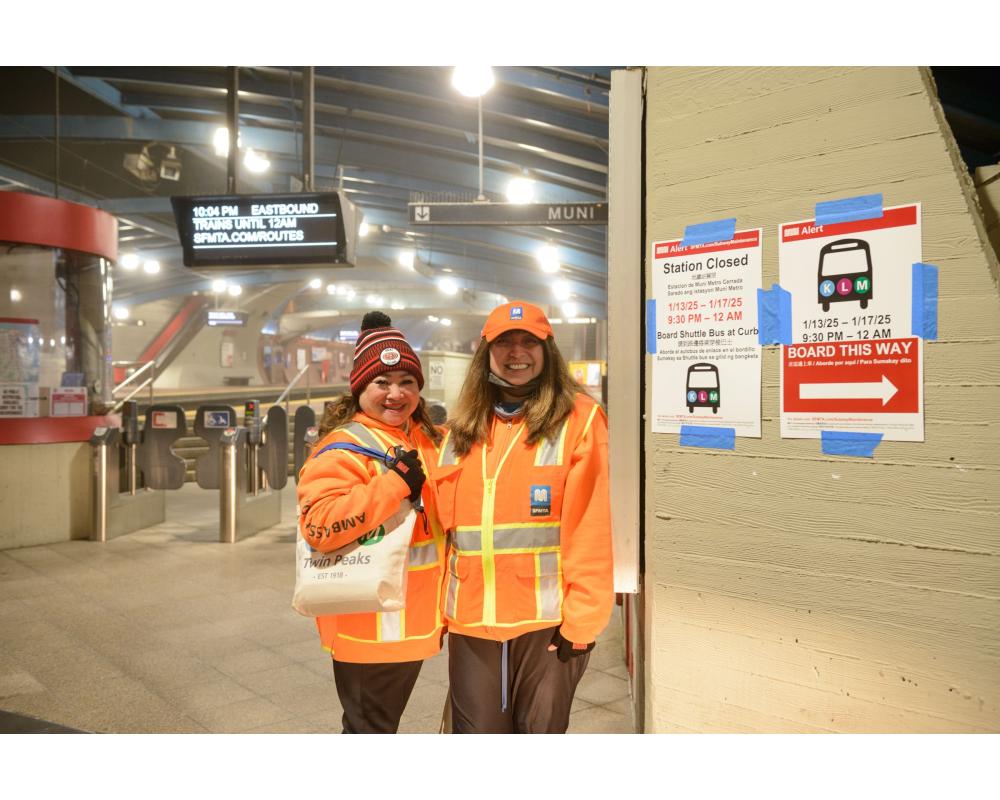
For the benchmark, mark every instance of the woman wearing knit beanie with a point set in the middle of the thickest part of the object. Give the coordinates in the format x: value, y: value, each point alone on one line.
x: 377, y: 656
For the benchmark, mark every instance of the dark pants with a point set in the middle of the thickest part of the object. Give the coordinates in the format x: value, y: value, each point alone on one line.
x: 374, y: 695
x: 540, y: 687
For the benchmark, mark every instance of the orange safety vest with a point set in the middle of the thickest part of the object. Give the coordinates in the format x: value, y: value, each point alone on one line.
x: 335, y: 489
x: 529, y: 530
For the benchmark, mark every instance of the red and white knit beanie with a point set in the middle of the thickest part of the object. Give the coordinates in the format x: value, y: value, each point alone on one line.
x: 380, y: 349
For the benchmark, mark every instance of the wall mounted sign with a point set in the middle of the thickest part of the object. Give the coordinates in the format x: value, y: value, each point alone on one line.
x: 706, y: 368
x: 853, y: 365
x: 486, y: 213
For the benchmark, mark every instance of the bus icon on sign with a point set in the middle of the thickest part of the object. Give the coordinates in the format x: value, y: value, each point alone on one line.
x: 845, y: 273
x: 702, y: 390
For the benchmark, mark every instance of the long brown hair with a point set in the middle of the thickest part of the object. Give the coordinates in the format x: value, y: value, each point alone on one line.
x: 342, y: 410
x: 544, y: 411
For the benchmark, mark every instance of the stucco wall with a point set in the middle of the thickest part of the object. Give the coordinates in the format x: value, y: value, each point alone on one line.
x: 787, y: 590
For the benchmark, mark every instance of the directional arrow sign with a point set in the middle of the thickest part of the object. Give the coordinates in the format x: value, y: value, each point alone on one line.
x: 884, y: 389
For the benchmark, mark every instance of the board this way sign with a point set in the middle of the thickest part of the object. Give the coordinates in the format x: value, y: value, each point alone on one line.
x: 854, y: 365
x: 706, y: 369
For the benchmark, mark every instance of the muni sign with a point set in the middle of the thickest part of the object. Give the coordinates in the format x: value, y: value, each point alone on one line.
x: 484, y: 213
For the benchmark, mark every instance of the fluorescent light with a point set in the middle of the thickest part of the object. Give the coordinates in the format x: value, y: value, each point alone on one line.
x: 315, y: 283
x: 446, y: 322
x: 561, y: 290
x: 397, y: 306
x: 570, y: 309
x: 15, y: 296
x: 363, y: 229
x: 150, y: 266
x: 234, y: 289
x: 548, y: 258
x: 219, y: 285
x: 120, y: 312
x: 254, y: 162
x: 448, y: 285
x: 432, y: 318
x: 331, y: 288
x: 350, y: 294
x: 472, y: 81
x: 521, y: 190
x: 406, y: 258
x: 129, y: 261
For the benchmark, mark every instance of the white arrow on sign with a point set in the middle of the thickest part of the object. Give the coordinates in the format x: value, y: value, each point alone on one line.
x: 885, y: 389
x: 422, y: 213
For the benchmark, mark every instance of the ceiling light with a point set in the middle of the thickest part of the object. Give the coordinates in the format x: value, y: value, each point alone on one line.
x: 570, y: 309
x: 151, y: 267
x: 234, y: 289
x: 62, y: 340
x: 448, y: 285
x: 472, y: 81
x: 371, y: 299
x: 315, y: 283
x: 363, y: 229
x: 15, y: 296
x: 548, y: 258
x: 397, y: 306
x: 129, y: 261
x: 221, y: 141
x: 561, y: 290
x: 331, y: 288
x: 406, y: 259
x: 432, y: 318
x: 120, y: 312
x: 254, y: 162
x: 386, y: 229
x: 521, y: 190
x: 219, y: 285
x: 350, y: 294
x: 446, y: 322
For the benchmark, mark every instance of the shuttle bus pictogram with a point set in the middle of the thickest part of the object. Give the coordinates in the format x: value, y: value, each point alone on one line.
x: 845, y: 273
x: 702, y: 389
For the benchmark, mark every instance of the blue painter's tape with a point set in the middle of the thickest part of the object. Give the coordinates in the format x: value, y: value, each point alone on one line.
x: 774, y: 315
x: 719, y: 231
x: 650, y: 326
x: 851, y: 209
x: 925, y: 298
x: 705, y: 436
x: 846, y: 443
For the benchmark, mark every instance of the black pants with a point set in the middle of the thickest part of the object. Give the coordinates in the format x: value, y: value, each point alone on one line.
x: 540, y: 687
x: 374, y: 695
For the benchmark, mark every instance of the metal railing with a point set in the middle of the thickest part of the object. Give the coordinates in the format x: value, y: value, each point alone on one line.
x: 283, y: 397
x: 147, y: 366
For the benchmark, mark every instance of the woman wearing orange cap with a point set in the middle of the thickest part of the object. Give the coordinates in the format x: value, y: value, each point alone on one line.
x: 523, y: 484
x: 377, y: 656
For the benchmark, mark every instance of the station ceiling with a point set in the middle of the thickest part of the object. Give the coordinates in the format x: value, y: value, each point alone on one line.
x: 384, y: 135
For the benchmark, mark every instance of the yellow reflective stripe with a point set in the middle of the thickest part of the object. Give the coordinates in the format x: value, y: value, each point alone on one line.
x: 447, y: 457
x: 489, y: 568
x: 364, y: 437
x: 377, y: 641
x: 593, y: 413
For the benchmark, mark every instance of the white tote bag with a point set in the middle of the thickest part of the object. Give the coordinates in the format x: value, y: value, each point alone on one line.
x: 369, y: 574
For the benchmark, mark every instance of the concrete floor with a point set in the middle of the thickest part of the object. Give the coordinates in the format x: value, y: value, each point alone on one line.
x: 167, y: 631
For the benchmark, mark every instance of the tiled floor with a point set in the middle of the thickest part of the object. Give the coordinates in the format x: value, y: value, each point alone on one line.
x: 166, y: 630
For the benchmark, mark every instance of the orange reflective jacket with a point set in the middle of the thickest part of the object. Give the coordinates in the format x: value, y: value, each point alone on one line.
x: 341, y: 496
x: 529, y: 530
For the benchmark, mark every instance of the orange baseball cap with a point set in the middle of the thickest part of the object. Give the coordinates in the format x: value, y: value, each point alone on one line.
x: 517, y: 316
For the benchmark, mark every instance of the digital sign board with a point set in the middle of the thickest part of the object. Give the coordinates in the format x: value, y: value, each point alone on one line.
x: 232, y: 231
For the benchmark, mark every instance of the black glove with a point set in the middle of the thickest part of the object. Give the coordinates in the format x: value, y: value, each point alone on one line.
x: 566, y: 650
x: 407, y: 466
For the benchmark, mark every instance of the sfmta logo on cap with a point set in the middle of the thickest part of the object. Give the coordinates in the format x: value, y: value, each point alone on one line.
x: 389, y: 356
x: 517, y: 312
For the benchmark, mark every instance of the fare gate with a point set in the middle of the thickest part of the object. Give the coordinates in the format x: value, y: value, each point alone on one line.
x: 247, y: 464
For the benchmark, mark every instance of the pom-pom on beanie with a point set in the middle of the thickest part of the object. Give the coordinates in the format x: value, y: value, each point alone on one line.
x: 381, y: 348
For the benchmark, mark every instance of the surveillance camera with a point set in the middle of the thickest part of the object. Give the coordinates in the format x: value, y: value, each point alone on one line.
x: 170, y: 169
